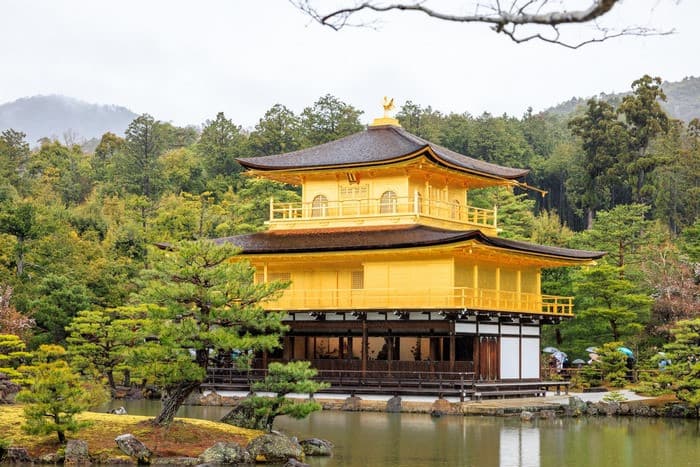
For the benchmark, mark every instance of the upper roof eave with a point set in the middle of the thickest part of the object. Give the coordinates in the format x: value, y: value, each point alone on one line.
x: 376, y: 146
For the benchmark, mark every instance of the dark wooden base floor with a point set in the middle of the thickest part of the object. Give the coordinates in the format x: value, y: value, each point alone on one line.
x: 438, y: 384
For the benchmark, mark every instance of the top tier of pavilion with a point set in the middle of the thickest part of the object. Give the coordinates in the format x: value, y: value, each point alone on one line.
x: 383, y: 176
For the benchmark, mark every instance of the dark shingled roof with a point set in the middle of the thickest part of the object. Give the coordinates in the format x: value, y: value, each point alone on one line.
x: 376, y: 145
x: 307, y: 241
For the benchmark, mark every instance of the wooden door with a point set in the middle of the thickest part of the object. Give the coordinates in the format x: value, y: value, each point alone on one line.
x: 487, y: 358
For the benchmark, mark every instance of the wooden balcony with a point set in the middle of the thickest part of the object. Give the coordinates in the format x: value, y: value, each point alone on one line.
x: 382, y: 212
x: 423, y: 299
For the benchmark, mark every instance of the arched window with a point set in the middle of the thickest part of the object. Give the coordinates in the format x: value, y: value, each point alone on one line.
x: 319, y: 206
x: 455, y: 210
x: 387, y: 202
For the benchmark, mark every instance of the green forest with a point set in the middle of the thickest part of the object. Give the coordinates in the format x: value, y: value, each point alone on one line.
x: 78, y: 228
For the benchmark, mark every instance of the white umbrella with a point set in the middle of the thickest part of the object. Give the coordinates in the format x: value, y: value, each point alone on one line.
x: 550, y: 350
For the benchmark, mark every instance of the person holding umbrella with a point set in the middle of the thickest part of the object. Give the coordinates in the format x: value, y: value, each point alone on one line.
x: 629, y: 354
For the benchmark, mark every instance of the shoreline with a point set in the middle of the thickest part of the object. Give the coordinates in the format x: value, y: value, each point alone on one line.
x: 552, y: 405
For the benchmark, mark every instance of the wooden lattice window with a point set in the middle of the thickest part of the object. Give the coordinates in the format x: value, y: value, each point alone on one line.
x: 279, y: 276
x: 354, y: 192
x: 357, y: 280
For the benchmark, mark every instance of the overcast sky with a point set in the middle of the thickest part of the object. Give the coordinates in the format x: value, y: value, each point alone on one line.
x: 184, y: 61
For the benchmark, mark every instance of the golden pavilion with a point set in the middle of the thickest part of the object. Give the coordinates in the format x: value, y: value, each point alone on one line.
x: 392, y: 271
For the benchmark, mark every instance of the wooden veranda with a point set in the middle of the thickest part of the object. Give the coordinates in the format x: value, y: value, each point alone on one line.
x: 398, y: 378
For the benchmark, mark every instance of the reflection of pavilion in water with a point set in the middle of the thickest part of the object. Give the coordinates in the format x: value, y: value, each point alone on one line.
x: 519, y: 446
x: 381, y: 439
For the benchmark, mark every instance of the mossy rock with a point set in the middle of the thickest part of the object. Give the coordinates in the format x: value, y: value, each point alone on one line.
x: 275, y: 447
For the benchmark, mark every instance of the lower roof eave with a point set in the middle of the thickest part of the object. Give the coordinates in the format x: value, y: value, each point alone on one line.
x: 414, y: 314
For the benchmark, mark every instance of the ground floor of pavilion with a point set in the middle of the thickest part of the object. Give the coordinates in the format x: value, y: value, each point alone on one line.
x: 441, y: 352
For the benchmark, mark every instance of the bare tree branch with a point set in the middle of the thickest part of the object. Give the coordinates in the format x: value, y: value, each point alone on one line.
x: 506, y: 19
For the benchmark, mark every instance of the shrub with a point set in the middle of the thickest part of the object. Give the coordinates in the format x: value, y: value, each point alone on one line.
x: 56, y: 394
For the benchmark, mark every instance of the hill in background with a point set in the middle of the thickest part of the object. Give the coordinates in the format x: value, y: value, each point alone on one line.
x: 63, y: 118
x: 71, y: 120
x: 682, y: 100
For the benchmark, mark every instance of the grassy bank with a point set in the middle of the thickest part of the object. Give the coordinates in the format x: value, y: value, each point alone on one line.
x: 184, y: 437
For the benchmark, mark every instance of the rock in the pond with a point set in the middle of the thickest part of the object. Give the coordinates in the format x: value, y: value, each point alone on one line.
x: 275, y: 447
x: 352, y: 404
x: 295, y: 463
x: 17, y: 456
x: 611, y: 408
x: 242, y: 414
x: 50, y: 458
x: 175, y: 461
x: 577, y: 405
x: 393, y: 405
x: 225, y: 453
x: 526, y: 416
x: 118, y: 411
x: 677, y: 411
x: 131, y: 446
x: 76, y: 452
x: 316, y: 447
x: 440, y: 407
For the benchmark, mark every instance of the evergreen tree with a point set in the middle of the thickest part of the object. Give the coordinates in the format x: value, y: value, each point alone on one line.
x: 259, y: 412
x: 12, y: 356
x: 645, y: 119
x: 329, y: 119
x: 57, y: 300
x: 684, y: 371
x: 14, y: 160
x: 18, y: 219
x: 137, y: 168
x: 604, y: 295
x: 210, y: 306
x: 102, y: 339
x: 219, y: 145
x: 622, y: 232
x: 605, y: 140
x: 56, y: 395
x: 277, y: 132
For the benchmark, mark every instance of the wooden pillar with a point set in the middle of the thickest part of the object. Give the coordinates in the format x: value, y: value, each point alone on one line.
x: 452, y: 346
x: 477, y: 356
x: 264, y: 359
x: 365, y: 345
x: 538, y: 291
x: 475, y: 285
x: 341, y: 347
x: 287, y: 350
x: 389, y: 352
x: 519, y: 288
x: 498, y: 287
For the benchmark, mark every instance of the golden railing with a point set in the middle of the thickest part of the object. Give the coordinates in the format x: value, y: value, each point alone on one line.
x: 378, y: 207
x: 423, y: 299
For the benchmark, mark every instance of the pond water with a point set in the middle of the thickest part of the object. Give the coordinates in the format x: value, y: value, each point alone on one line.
x: 397, y: 440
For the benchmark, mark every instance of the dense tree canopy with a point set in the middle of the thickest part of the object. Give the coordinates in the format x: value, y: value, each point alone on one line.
x: 77, y: 229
